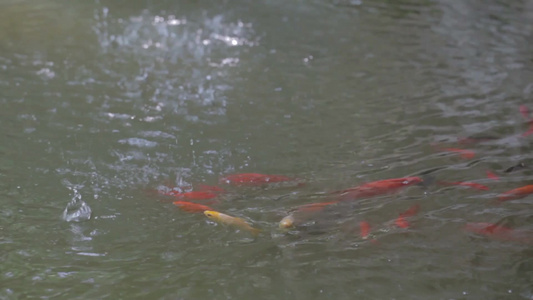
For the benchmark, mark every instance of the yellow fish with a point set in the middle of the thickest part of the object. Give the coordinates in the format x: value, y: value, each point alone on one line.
x: 229, y: 220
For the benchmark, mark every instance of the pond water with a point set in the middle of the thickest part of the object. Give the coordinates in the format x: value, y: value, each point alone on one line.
x: 106, y: 102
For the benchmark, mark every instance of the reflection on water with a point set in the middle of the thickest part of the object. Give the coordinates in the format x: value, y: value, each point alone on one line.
x: 105, y: 102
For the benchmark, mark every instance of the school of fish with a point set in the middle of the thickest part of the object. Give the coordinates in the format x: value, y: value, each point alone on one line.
x: 201, y: 198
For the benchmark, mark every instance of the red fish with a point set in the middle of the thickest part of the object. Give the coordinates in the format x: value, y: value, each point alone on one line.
x: 376, y: 188
x: 517, y: 193
x: 253, y: 179
x: 463, y: 153
x: 474, y: 185
x: 401, y: 221
x: 492, y: 176
x: 365, y: 229
x: 500, y: 232
x: 191, y: 207
x: 314, y: 207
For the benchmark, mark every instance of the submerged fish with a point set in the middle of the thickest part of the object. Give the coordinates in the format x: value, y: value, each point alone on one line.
x: 474, y: 185
x: 364, y: 229
x: 492, y: 176
x: 524, y: 111
x: 463, y: 153
x: 254, y: 179
x: 517, y: 193
x: 287, y: 222
x: 191, y: 207
x: 194, y: 195
x: 411, y: 211
x: 232, y: 221
x: 476, y: 139
x: 526, y: 115
x: 376, y: 188
x: 500, y: 232
x: 314, y: 207
x: 210, y: 188
x: 302, y: 213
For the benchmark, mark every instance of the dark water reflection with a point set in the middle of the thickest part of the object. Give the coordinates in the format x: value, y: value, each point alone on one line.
x: 103, y: 101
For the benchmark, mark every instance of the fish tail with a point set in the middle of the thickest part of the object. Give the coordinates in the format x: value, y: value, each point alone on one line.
x: 255, y: 231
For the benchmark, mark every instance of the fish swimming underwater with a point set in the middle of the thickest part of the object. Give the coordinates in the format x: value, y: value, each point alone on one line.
x: 302, y: 213
x: 474, y: 185
x: 232, y: 221
x: 463, y: 153
x: 517, y: 193
x: 191, y: 207
x: 411, y: 211
x: 377, y: 188
x: 492, y: 175
x: 254, y: 179
x: 500, y: 232
x: 194, y: 195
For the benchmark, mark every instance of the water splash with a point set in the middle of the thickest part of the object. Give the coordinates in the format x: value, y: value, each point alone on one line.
x: 76, y: 210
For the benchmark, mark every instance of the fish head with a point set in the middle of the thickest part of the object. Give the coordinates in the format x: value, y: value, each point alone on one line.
x: 211, y: 214
x: 287, y: 222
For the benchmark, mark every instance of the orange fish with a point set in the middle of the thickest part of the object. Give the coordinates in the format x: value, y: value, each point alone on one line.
x: 474, y: 185
x: 500, y: 232
x: 517, y: 193
x: 365, y: 229
x: 492, y: 176
x: 463, y: 153
x: 253, y: 179
x: 401, y: 221
x: 376, y: 188
x: 191, y: 207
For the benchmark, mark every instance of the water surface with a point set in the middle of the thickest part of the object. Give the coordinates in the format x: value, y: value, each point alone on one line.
x: 105, y: 101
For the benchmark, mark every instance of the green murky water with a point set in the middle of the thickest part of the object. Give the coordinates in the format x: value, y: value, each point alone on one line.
x: 102, y: 102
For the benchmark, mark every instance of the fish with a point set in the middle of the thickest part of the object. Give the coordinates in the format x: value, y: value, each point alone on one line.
x: 364, y: 229
x: 529, y: 131
x: 492, y: 175
x: 232, y: 221
x: 500, y: 232
x: 314, y: 207
x: 474, y: 185
x: 302, y: 213
x: 524, y: 111
x: 476, y: 139
x: 517, y: 193
x: 463, y: 153
x: 516, y: 167
x: 253, y: 179
x: 411, y: 211
x: 194, y: 195
x: 191, y: 206
x: 287, y: 222
x: 526, y: 115
x: 210, y: 188
x: 376, y: 188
